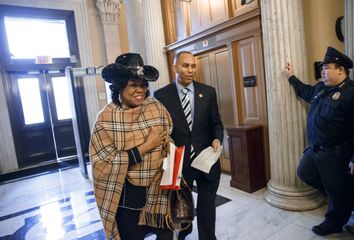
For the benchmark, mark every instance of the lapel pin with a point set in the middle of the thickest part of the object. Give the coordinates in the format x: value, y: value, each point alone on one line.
x: 200, y: 95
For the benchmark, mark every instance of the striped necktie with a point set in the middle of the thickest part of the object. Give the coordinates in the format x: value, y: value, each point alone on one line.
x: 186, y: 105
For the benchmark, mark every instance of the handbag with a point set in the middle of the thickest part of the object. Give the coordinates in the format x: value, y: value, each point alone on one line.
x: 180, y: 207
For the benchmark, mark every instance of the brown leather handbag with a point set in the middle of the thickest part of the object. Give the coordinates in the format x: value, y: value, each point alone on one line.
x: 181, y: 207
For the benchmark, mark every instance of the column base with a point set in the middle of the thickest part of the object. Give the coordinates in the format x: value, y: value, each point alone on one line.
x: 292, y: 198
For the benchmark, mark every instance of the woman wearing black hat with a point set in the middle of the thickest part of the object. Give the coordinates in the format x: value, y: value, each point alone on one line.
x: 127, y: 146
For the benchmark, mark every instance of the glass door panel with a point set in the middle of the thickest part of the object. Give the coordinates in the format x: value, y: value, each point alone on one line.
x: 23, y: 32
x: 32, y: 129
x: 60, y: 108
x: 31, y: 100
x: 61, y: 98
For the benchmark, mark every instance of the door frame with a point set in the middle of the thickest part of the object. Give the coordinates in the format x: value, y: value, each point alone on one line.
x: 22, y: 67
x: 90, y: 93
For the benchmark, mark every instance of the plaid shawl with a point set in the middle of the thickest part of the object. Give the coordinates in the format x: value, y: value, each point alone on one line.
x: 116, y: 130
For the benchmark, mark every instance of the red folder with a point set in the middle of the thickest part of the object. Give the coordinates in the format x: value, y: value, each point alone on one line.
x: 177, y: 170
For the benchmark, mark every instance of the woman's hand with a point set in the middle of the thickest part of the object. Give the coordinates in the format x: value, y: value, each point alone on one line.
x: 155, y: 138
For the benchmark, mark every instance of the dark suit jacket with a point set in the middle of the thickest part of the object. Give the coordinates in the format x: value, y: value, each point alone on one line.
x: 207, y: 124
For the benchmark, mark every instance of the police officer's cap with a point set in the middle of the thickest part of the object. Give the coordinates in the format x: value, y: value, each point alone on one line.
x: 334, y: 56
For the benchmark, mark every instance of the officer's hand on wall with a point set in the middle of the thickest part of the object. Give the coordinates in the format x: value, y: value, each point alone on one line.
x: 288, y: 71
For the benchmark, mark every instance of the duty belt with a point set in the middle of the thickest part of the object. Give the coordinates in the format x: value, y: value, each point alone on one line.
x: 318, y: 148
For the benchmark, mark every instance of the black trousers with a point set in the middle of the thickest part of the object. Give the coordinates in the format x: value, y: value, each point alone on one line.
x: 329, y: 173
x: 127, y: 222
x: 206, y: 207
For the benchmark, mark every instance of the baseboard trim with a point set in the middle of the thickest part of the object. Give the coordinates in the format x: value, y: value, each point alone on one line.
x: 35, y: 171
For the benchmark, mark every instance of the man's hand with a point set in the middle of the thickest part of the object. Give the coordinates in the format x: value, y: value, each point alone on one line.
x: 288, y: 71
x: 215, y: 144
x: 351, y: 167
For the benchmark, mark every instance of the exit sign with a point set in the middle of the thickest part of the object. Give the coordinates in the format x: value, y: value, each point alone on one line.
x: 44, y: 60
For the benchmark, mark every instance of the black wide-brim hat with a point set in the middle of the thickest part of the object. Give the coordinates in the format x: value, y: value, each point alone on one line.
x: 335, y: 56
x: 129, y: 65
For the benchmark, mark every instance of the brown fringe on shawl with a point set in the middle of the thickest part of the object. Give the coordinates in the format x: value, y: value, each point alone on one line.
x: 155, y: 210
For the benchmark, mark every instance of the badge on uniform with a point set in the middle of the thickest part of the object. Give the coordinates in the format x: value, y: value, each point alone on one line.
x: 336, y: 95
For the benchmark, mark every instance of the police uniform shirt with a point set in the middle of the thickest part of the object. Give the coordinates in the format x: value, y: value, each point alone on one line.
x: 330, y: 121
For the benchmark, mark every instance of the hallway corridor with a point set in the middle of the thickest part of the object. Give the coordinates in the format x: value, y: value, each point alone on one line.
x: 61, y: 205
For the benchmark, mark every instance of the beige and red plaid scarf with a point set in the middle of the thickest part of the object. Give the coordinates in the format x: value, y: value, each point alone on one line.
x: 116, y: 130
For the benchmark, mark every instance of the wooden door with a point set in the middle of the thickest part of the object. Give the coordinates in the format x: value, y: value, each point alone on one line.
x: 213, y: 68
x: 31, y: 122
x: 42, y: 121
x: 251, y: 88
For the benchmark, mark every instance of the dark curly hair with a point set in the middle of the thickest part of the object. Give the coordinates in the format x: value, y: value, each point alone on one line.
x: 118, y: 85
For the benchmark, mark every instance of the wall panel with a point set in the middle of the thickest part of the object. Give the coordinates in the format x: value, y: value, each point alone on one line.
x: 207, y: 13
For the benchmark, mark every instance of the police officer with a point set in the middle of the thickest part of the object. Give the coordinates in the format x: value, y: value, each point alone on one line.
x: 328, y: 162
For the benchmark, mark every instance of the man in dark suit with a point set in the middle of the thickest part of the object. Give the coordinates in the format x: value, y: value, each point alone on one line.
x: 196, y: 125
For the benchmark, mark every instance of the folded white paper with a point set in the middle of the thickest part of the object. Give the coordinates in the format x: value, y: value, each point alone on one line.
x: 206, y: 159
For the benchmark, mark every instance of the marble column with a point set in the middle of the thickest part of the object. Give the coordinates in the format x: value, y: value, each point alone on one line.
x: 155, y: 40
x: 284, y: 41
x: 348, y: 30
x: 109, y: 13
x: 135, y: 26
x: 8, y: 157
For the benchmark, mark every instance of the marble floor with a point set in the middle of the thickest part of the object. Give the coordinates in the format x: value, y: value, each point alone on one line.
x: 61, y: 205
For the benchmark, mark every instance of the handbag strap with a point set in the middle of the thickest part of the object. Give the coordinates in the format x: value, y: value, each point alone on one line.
x: 185, y: 183
x: 170, y: 225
